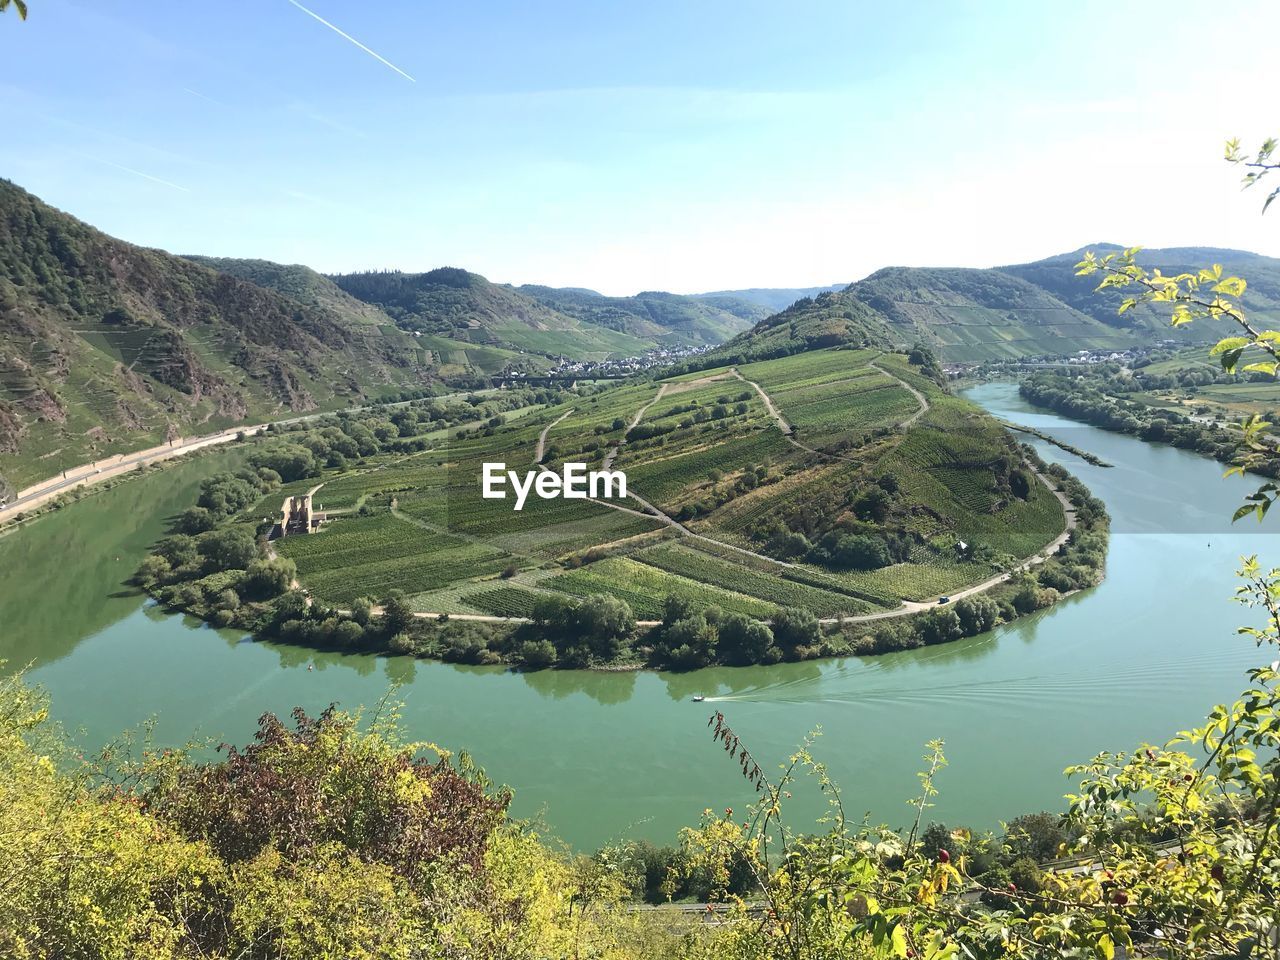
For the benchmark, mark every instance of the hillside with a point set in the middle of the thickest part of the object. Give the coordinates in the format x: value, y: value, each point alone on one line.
x: 667, y: 319
x: 452, y: 358
x: 1056, y: 275
x: 463, y: 306
x: 297, y: 282
x: 968, y: 314
x: 107, y: 347
x: 827, y: 320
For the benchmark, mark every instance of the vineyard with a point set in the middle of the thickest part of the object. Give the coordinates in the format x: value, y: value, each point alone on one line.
x: 644, y: 588
x: 738, y: 577
x: 707, y: 453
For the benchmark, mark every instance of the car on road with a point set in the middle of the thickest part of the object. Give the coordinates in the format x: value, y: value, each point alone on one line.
x: 944, y: 600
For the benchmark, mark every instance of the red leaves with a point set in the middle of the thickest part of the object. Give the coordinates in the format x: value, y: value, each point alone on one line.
x: 733, y: 746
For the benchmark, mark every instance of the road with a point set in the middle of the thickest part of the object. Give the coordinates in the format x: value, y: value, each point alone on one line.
x: 92, y: 473
x: 99, y: 470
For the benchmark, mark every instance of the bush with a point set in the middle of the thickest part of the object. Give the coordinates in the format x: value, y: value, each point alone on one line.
x: 794, y: 627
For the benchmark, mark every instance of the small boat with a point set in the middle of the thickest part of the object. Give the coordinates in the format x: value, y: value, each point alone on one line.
x: 699, y: 698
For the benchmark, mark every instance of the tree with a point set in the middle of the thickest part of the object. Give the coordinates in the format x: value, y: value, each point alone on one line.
x: 362, y: 610
x: 795, y: 627
x: 397, y: 615
x: 690, y: 643
x: 977, y: 614
x: 605, y: 624
x: 743, y: 640
x: 18, y: 5
x: 861, y: 552
x: 230, y: 548
x: 266, y: 579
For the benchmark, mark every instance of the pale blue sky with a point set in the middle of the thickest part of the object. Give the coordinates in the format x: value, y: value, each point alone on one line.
x: 687, y: 146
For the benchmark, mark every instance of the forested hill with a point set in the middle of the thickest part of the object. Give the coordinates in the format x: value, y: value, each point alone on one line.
x: 968, y: 314
x: 770, y: 299
x: 1023, y: 310
x: 464, y: 306
x: 107, y: 347
x: 1056, y: 275
x: 811, y: 323
x: 573, y: 322
x: 300, y: 283
x: 668, y: 319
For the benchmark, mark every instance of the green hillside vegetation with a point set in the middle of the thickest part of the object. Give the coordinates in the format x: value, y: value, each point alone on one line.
x: 667, y: 319
x: 868, y: 486
x: 106, y: 347
x: 968, y: 315
x: 297, y: 282
x: 1057, y: 275
x: 464, y: 306
x: 452, y: 358
x: 827, y: 320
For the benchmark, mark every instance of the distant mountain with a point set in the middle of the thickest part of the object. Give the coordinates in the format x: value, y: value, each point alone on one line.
x: 464, y: 306
x: 1024, y: 310
x: 105, y: 346
x: 1057, y: 276
x: 667, y: 319
x: 772, y: 299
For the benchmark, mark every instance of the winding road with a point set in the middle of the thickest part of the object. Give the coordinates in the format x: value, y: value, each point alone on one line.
x: 542, y: 437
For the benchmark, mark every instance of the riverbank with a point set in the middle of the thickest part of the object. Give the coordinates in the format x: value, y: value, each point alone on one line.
x: 211, y: 568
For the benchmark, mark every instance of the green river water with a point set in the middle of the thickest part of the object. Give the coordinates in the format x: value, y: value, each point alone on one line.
x: 602, y: 756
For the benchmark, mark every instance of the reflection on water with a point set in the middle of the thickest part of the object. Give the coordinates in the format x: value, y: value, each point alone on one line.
x: 605, y: 755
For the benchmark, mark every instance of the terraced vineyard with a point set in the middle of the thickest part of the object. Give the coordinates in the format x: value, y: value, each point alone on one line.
x: 850, y: 516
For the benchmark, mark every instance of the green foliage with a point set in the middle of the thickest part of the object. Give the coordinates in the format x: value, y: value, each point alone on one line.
x: 150, y: 346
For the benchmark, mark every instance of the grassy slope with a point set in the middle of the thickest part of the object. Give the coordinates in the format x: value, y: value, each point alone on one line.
x: 664, y: 318
x: 466, y: 307
x: 107, y: 347
x: 1057, y: 276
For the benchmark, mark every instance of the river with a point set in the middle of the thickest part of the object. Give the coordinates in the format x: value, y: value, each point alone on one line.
x: 605, y: 756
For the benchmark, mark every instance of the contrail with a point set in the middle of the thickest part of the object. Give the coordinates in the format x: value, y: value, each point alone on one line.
x: 139, y: 173
x: 197, y: 93
x: 347, y: 36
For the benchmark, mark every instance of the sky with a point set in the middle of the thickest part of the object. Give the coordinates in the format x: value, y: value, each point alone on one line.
x: 687, y: 146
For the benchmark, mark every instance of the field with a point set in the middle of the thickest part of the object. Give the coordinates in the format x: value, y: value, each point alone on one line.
x: 713, y: 482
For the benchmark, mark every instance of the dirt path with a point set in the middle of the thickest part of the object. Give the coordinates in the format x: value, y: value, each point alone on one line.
x: 613, y: 454
x: 774, y: 412
x: 920, y: 397
x: 787, y: 429
x: 542, y: 437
